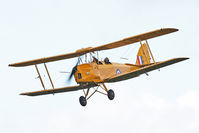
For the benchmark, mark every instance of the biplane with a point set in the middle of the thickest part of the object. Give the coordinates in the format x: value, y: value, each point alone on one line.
x: 93, y: 73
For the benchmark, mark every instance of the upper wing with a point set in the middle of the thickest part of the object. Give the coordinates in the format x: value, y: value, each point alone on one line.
x: 52, y: 58
x: 135, y: 39
x: 145, y: 69
x: 58, y: 90
x: 112, y: 45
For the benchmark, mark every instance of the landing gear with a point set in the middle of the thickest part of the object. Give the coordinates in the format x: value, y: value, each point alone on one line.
x: 110, y: 94
x: 82, y: 101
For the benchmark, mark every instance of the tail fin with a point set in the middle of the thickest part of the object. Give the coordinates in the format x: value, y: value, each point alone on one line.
x: 143, y: 56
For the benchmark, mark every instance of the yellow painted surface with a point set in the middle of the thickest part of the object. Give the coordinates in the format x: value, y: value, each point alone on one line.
x: 94, y: 72
x: 144, y: 52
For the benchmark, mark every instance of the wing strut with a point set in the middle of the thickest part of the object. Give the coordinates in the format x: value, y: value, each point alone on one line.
x: 49, y: 75
x: 150, y: 51
x: 39, y: 75
x: 151, y: 55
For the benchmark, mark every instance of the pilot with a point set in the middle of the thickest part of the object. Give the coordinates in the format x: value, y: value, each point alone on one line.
x: 106, y: 61
x: 96, y: 60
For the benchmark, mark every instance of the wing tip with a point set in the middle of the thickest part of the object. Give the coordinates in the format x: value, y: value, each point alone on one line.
x: 24, y: 94
x: 15, y: 65
x: 184, y: 58
x: 10, y: 65
x: 170, y: 29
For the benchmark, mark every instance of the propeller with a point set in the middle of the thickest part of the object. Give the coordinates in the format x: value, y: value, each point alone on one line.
x: 74, y: 70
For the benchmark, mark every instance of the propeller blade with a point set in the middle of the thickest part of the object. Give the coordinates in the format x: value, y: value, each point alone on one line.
x: 74, y: 70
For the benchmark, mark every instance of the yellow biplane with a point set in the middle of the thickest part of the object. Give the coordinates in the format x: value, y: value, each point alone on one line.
x: 94, y: 73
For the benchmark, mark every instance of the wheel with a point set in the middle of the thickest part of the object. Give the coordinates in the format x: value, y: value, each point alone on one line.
x: 111, y: 94
x: 82, y: 101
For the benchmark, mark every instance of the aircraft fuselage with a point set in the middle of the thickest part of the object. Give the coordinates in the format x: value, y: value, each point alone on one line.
x: 93, y: 72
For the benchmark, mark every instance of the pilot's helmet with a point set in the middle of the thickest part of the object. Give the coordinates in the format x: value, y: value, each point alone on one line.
x: 106, y: 60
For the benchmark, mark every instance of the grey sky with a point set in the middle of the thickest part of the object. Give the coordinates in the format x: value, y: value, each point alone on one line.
x: 165, y: 101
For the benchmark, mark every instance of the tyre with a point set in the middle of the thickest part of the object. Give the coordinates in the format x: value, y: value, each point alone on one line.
x: 82, y: 101
x: 111, y: 94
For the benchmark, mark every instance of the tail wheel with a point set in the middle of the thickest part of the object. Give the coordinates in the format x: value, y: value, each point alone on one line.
x: 111, y: 94
x: 82, y: 101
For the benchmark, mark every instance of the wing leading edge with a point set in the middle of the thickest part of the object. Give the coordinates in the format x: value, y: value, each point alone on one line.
x: 52, y: 58
x: 57, y: 90
x: 134, y: 39
x: 112, y: 45
x: 145, y: 70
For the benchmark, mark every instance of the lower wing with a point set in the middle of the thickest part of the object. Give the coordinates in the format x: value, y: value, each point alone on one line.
x: 58, y: 90
x: 145, y: 69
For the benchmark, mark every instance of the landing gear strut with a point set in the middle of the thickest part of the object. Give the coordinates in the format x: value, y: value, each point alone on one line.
x: 110, y: 93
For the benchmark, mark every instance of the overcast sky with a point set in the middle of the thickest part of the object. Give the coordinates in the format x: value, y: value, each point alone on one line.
x: 165, y: 101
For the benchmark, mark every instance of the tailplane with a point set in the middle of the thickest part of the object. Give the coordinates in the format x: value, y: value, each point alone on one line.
x: 143, y: 56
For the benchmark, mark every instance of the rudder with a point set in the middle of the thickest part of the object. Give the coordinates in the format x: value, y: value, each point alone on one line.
x: 143, y: 56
